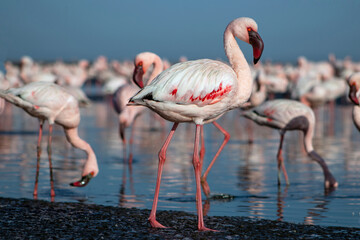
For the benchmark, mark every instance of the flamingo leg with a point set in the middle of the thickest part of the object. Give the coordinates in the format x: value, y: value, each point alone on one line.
x: 197, y: 164
x: 204, y: 183
x: 281, y: 162
x: 123, y: 139
x: 162, y: 158
x: 131, y: 141
x: 202, y: 149
x: 50, y: 161
x: 250, y: 131
x: 38, y: 148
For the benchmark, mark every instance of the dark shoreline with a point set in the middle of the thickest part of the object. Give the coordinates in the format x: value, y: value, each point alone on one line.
x: 37, y: 219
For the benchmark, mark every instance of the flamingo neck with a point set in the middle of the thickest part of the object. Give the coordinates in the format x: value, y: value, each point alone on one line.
x: 91, y: 162
x: 356, y: 116
x: 238, y: 64
x: 158, y: 68
x: 309, y: 133
x: 258, y: 97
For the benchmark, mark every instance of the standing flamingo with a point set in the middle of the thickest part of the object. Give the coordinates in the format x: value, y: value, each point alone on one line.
x: 354, y: 95
x: 48, y: 101
x: 138, y: 79
x: 128, y: 114
x: 289, y: 115
x: 201, y: 91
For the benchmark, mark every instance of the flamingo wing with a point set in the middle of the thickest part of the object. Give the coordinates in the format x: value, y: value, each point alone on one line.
x: 200, y: 82
x: 282, y: 111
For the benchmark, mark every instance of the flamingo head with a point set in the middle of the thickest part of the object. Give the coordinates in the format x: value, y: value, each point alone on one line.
x: 83, y: 181
x: 246, y: 30
x: 138, y: 74
x: 354, y: 94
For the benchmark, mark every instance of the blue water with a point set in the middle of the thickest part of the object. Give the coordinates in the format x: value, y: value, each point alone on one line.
x: 247, y: 173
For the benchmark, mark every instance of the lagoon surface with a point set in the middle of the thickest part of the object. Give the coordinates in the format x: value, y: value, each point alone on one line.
x: 243, y: 181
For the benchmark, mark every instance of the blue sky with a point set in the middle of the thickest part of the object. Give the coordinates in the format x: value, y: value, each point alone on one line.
x: 75, y: 29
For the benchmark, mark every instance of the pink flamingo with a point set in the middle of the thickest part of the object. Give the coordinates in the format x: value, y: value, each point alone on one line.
x: 201, y: 91
x: 49, y: 101
x: 287, y: 115
x: 128, y: 114
x: 354, y: 95
x: 138, y: 79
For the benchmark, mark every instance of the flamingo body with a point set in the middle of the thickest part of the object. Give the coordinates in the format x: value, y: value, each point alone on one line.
x: 197, y: 91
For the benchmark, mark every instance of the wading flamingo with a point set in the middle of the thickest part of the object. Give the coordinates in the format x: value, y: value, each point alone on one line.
x: 128, y: 114
x: 286, y: 115
x: 51, y: 102
x: 354, y: 95
x: 201, y: 91
x: 146, y: 59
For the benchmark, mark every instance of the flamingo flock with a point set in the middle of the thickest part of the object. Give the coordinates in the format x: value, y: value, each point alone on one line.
x: 282, y: 97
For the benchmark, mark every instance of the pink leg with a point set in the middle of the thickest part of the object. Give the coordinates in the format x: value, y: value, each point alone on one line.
x: 50, y: 162
x: 131, y: 141
x: 250, y: 131
x: 202, y: 150
x: 123, y: 139
x: 38, y: 148
x: 162, y: 157
x: 204, y: 183
x: 281, y: 161
x: 196, y: 163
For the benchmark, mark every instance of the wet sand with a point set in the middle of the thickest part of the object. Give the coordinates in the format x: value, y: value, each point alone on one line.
x: 37, y: 219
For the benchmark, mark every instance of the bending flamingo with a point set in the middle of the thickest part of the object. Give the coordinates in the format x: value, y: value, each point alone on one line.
x: 201, y: 91
x: 48, y: 101
x: 287, y: 115
x: 128, y: 114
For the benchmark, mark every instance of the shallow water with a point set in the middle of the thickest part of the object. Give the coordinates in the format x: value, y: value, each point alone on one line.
x: 245, y: 174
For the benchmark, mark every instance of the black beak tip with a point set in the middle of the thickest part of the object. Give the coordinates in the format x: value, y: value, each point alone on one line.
x: 83, y: 181
x: 256, y: 60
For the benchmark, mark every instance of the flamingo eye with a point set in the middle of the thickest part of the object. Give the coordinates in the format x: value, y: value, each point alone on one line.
x: 249, y: 29
x: 140, y: 64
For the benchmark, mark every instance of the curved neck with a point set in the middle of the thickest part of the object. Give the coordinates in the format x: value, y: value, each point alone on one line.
x: 91, y: 162
x: 356, y: 116
x: 238, y: 63
x: 308, y: 136
x: 158, y: 68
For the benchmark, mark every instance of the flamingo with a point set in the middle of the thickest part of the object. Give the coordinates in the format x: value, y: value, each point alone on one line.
x: 128, y: 114
x: 201, y: 91
x: 138, y: 74
x: 51, y: 102
x: 286, y: 115
x: 354, y: 95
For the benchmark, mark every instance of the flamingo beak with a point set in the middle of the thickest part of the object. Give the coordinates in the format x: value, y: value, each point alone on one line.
x: 138, y: 75
x: 257, y: 44
x: 83, y: 181
x: 352, y: 94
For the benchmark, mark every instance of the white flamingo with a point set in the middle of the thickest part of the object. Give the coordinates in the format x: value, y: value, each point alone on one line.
x: 286, y: 115
x: 128, y: 114
x: 51, y: 102
x: 201, y: 91
x: 354, y: 95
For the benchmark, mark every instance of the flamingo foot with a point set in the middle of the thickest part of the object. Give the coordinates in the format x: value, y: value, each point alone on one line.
x: 203, y: 228
x: 155, y: 224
